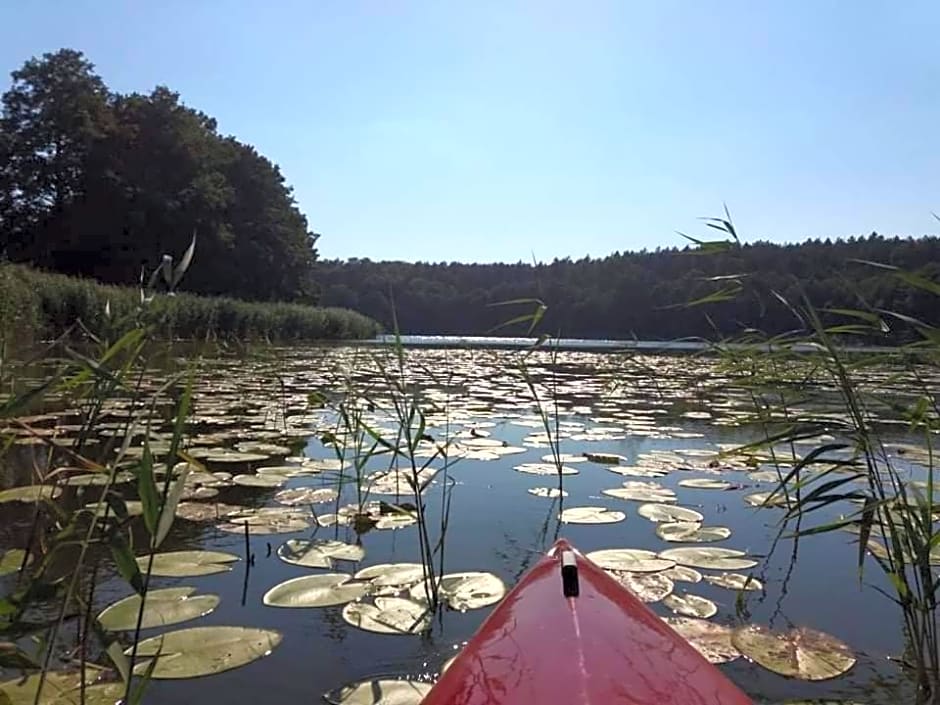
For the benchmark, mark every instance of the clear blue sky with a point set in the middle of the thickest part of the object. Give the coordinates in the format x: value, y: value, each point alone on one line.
x: 486, y: 131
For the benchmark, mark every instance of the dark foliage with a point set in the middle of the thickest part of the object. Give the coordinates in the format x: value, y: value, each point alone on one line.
x: 644, y: 295
x: 99, y: 184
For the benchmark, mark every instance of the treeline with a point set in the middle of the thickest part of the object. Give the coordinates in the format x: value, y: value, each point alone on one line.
x: 40, y: 306
x: 646, y: 295
x: 98, y: 183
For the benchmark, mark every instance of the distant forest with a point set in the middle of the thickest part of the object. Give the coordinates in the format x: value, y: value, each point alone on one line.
x: 644, y: 295
x: 97, y: 183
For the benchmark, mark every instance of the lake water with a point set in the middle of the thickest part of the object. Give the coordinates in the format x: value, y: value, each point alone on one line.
x: 668, y: 412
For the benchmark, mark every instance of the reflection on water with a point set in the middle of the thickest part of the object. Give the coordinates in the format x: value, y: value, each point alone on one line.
x: 671, y: 412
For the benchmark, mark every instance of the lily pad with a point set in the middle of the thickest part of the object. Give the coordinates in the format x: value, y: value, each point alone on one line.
x: 380, y: 692
x: 564, y: 458
x: 735, y: 581
x: 60, y: 688
x: 203, y: 651
x: 325, y: 590
x: 397, y: 575
x: 691, y: 532
x: 705, y: 483
x: 465, y: 591
x: 668, y: 513
x: 683, y: 574
x: 179, y: 564
x: 11, y: 561
x: 548, y: 492
x: 634, y: 560
x: 396, y: 521
x: 591, y: 515
x: 766, y: 499
x: 648, y: 587
x: 710, y: 557
x: 713, y: 641
x: 268, y: 520
x: 691, y: 605
x: 162, y: 607
x: 801, y: 653
x: 235, y: 457
x: 197, y: 511
x: 605, y: 458
x: 545, y: 469
x: 389, y: 615
x: 259, y: 480
x: 318, y: 553
x: 305, y: 495
x: 30, y: 493
x: 642, y: 492
x: 638, y: 471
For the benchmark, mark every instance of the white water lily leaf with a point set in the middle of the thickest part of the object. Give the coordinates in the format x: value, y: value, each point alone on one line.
x: 259, y: 480
x: 60, y: 688
x: 691, y: 532
x: 236, y: 458
x: 161, y: 608
x: 389, y: 615
x: 465, y: 591
x: 564, y: 458
x: 380, y: 692
x: 29, y: 493
x: 318, y: 553
x: 398, y: 575
x: 197, y: 511
x: 203, y: 651
x: 180, y: 564
x: 648, y: 587
x: 324, y: 590
x: 801, y: 653
x: 305, y: 495
x: 268, y: 520
x: 605, y: 458
x: 668, y: 513
x: 713, y: 641
x: 333, y: 520
x: 637, y: 491
x: 545, y: 469
x: 548, y: 492
x: 634, y: 560
x: 766, y: 499
x: 11, y: 561
x: 396, y: 520
x: 735, y: 581
x: 683, y: 574
x: 710, y: 557
x: 591, y: 515
x: 638, y: 471
x: 705, y: 483
x: 691, y: 605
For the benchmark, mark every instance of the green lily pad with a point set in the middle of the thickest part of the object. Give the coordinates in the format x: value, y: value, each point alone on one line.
x: 705, y: 483
x: 204, y: 651
x: 638, y: 471
x: 735, y: 581
x: 259, y: 480
x: 60, y: 688
x: 318, y: 553
x: 713, y: 641
x: 648, y: 587
x: 605, y: 458
x: 683, y: 574
x: 161, y: 608
x: 668, y: 513
x: 564, y: 458
x: 642, y: 492
x: 179, y: 564
x: 305, y: 495
x: 389, y: 615
x: 634, y: 560
x: 268, y: 520
x: 801, y: 653
x: 380, y: 692
x: 691, y: 532
x: 11, y: 561
x: 591, y: 515
x: 691, y: 605
x: 465, y: 591
x: 766, y: 499
x: 545, y: 469
x: 710, y: 557
x: 325, y: 590
x: 398, y: 576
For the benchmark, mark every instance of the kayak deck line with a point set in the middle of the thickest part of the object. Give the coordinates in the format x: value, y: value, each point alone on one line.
x: 597, y: 646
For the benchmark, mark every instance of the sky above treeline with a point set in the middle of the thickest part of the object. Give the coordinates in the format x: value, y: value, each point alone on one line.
x: 506, y: 131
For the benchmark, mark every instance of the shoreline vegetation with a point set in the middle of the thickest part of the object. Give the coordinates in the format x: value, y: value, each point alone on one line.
x: 36, y: 305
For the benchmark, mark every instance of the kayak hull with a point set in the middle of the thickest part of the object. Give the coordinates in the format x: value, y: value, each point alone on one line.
x: 601, y: 647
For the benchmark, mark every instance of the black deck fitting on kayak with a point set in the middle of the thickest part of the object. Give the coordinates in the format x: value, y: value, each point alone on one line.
x: 569, y: 574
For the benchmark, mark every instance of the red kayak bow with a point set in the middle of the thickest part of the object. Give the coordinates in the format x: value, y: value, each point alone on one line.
x: 569, y: 634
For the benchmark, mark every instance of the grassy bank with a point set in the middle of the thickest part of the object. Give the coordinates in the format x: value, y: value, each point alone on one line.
x: 36, y: 305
